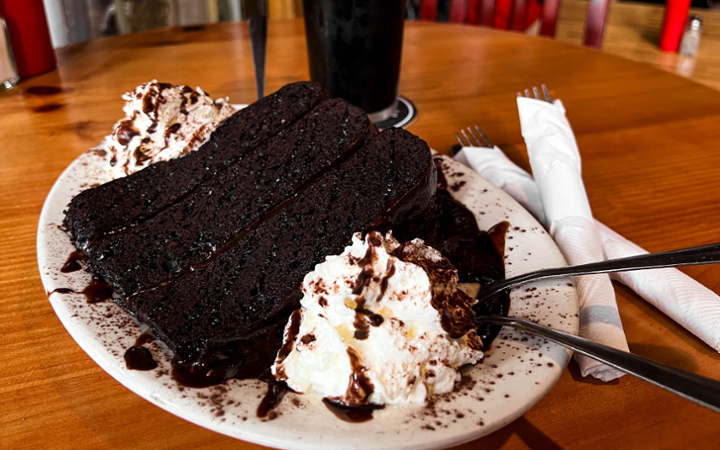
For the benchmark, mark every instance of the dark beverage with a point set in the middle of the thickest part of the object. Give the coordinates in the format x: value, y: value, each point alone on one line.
x: 354, y: 47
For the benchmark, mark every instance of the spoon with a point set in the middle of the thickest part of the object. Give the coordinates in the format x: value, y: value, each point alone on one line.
x: 701, y: 390
x: 703, y: 254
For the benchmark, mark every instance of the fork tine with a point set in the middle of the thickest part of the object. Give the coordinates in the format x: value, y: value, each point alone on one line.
x: 518, y: 94
x: 536, y: 93
x: 527, y: 93
x: 547, y: 94
x: 476, y: 139
x: 460, y: 141
x: 470, y: 142
x: 485, y: 138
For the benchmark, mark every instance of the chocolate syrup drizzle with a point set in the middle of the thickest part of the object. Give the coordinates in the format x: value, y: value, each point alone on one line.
x: 95, y: 292
x: 139, y: 358
x: 292, y: 335
x: 73, y: 262
x: 277, y: 388
x: 364, y: 318
x: 358, y: 392
x: 351, y: 413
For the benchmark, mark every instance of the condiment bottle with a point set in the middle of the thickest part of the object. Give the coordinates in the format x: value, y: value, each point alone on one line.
x: 29, y: 35
x: 676, y: 12
x: 691, y: 38
x: 8, y: 71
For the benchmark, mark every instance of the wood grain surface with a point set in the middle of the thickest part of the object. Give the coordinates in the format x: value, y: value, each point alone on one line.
x: 649, y: 141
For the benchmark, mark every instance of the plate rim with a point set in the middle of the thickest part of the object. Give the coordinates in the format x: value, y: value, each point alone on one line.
x: 126, y: 378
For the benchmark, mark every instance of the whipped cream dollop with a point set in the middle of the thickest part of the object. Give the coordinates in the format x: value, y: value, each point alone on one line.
x: 382, y: 323
x: 162, y: 121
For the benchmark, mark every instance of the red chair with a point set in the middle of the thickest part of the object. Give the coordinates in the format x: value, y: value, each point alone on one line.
x: 519, y: 15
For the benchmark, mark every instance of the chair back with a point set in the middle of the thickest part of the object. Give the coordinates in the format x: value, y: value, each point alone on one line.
x: 517, y: 15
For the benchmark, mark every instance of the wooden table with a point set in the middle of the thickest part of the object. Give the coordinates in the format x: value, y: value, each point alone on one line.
x: 649, y: 140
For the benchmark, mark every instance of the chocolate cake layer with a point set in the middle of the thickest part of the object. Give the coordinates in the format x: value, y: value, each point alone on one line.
x: 127, y: 201
x: 207, y: 219
x: 211, y: 314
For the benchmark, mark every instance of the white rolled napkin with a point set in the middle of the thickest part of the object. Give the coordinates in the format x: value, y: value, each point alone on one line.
x: 555, y: 161
x: 495, y: 166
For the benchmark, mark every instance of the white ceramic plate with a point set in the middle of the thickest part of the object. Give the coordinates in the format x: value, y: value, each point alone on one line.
x: 517, y: 371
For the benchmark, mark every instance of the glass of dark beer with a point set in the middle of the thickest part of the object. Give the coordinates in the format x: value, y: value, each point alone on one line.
x: 354, y: 48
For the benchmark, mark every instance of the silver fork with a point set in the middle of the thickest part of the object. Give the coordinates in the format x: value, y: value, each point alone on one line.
x: 698, y: 389
x: 701, y: 390
x: 476, y: 138
x: 472, y: 139
x: 536, y: 93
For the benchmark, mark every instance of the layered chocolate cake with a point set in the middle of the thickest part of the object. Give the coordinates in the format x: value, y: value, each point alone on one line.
x: 210, y: 249
x: 127, y: 201
x: 243, y: 290
x: 209, y: 217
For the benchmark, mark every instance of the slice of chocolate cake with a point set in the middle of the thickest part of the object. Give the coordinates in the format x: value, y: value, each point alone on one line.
x: 225, y: 318
x: 127, y: 201
x: 212, y: 215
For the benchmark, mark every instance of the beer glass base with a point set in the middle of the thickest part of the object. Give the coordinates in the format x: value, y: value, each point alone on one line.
x: 383, y: 114
x: 405, y: 113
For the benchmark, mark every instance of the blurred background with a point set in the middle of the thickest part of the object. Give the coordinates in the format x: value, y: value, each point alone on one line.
x: 632, y: 28
x: 73, y: 21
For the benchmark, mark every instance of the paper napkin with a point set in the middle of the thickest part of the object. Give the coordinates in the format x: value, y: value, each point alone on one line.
x: 555, y: 161
x: 492, y: 164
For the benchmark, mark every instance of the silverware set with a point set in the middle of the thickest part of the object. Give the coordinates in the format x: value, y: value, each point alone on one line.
x: 701, y: 390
